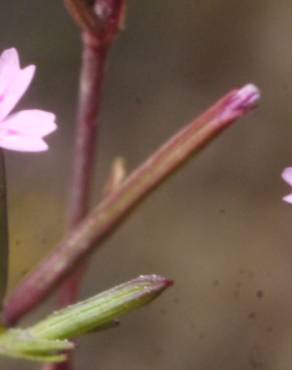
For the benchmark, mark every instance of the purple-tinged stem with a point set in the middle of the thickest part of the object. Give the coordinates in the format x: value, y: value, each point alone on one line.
x: 83, y: 15
x: 115, y: 178
x: 91, y: 82
x: 103, y: 220
x: 100, y: 18
x: 100, y: 22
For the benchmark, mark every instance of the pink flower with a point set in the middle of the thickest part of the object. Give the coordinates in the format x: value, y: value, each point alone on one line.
x: 287, y: 176
x: 24, y: 130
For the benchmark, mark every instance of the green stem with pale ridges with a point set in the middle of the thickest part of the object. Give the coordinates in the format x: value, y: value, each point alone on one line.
x: 49, y: 339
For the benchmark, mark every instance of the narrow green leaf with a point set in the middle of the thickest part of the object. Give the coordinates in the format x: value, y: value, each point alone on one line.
x: 48, y: 340
x: 100, y: 310
x: 3, y: 231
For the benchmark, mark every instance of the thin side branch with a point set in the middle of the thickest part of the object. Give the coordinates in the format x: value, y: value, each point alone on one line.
x: 82, y: 15
x: 113, y: 210
x: 101, y: 19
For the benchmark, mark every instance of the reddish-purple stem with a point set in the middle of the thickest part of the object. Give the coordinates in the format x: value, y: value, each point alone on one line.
x: 99, y: 21
x: 91, y: 81
x: 102, y: 221
x: 97, y: 40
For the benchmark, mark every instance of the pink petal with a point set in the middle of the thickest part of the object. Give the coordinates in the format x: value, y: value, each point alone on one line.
x: 287, y: 175
x: 14, y: 81
x: 240, y: 102
x: 22, y: 143
x: 31, y: 123
x: 9, y: 57
x: 288, y: 198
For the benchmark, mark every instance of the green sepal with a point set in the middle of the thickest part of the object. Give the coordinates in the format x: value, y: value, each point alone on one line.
x: 23, y: 344
x: 48, y: 340
x: 100, y: 311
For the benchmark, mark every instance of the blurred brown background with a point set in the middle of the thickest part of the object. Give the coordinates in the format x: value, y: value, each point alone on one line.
x: 218, y: 227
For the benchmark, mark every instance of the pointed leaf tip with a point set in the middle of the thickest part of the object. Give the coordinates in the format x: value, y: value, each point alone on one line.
x: 100, y: 311
x: 156, y: 280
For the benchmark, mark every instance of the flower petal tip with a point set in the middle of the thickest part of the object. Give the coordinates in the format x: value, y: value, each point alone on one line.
x: 287, y: 198
x: 29, y: 70
x: 287, y: 175
x: 10, y: 56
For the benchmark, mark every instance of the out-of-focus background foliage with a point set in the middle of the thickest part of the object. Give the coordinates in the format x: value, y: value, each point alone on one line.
x: 219, y: 227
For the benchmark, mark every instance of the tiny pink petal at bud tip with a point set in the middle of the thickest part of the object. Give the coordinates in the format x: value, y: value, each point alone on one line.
x: 245, y: 98
x: 238, y: 103
x: 287, y: 175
